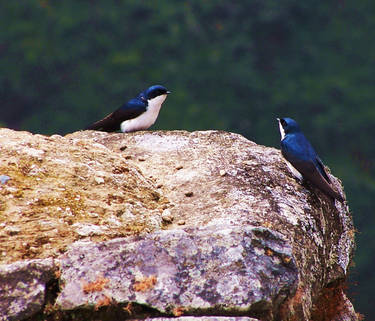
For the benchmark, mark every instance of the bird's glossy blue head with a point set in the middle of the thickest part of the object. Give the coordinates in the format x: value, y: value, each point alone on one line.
x: 289, y: 125
x: 155, y: 91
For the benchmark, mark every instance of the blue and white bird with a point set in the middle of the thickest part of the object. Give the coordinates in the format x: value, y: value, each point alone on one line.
x: 137, y: 114
x: 302, y: 159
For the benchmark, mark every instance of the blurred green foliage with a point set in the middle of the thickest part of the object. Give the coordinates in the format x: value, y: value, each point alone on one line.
x: 232, y: 65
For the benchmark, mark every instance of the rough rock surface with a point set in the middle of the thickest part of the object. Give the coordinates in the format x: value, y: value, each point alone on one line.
x: 23, y: 287
x: 227, y: 269
x: 204, y: 319
x: 61, y: 190
x: 219, y: 224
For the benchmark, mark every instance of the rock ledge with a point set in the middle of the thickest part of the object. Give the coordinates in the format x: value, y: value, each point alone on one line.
x: 195, y: 226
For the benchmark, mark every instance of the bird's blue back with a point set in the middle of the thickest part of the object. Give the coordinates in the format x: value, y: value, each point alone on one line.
x: 296, y: 148
x: 136, y: 104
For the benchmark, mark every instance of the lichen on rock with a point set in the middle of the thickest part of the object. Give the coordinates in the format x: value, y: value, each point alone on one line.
x: 223, y: 269
x: 174, y: 223
x: 53, y: 195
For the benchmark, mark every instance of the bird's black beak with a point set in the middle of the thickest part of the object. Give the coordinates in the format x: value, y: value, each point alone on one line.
x: 168, y: 92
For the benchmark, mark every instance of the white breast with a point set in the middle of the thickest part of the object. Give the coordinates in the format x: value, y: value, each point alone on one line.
x: 282, y: 131
x: 146, y: 119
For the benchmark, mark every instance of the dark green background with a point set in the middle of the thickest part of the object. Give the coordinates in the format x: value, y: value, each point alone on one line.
x: 232, y: 65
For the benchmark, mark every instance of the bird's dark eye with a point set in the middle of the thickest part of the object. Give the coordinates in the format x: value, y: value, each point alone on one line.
x: 283, y: 122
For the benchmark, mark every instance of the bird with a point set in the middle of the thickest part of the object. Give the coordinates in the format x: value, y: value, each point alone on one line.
x: 138, y: 113
x: 302, y: 159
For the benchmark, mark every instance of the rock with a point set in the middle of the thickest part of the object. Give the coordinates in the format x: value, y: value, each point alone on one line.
x: 203, y: 319
x: 167, y: 216
x: 4, y: 179
x: 246, y: 237
x: 23, y: 287
x: 229, y: 269
x: 89, y: 229
x: 99, y: 180
x: 12, y: 230
x: 59, y: 184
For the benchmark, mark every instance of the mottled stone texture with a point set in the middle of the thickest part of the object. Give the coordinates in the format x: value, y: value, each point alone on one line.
x: 60, y: 190
x: 23, y: 287
x: 206, y: 224
x: 228, y: 269
x: 203, y: 319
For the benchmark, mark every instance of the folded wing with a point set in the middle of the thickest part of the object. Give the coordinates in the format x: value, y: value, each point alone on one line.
x: 112, y: 122
x: 312, y: 173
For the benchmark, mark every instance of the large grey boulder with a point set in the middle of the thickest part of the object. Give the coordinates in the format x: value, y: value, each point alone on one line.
x: 223, y: 269
x: 203, y: 223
